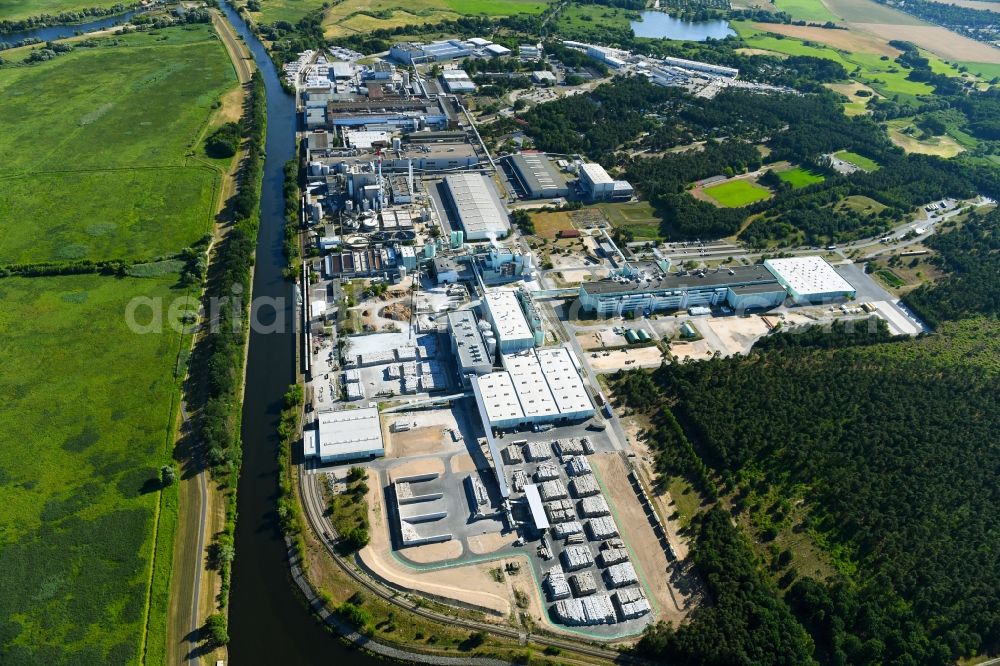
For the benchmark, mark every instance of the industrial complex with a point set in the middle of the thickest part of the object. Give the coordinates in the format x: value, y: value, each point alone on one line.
x: 461, y: 373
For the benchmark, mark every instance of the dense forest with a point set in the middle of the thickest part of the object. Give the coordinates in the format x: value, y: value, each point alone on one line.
x: 747, y: 622
x: 889, y: 445
x: 970, y: 257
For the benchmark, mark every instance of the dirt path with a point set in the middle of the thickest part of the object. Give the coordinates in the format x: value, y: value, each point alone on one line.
x: 651, y: 559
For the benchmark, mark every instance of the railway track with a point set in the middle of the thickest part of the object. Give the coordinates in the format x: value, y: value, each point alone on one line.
x: 322, y: 527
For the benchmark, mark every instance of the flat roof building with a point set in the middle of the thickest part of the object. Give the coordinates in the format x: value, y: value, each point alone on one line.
x: 497, y: 398
x: 565, y: 382
x: 532, y: 390
x: 537, y: 176
x: 467, y: 345
x: 596, y: 182
x: 648, y: 288
x: 504, y: 312
x: 457, y: 81
x: 477, y: 206
x: 810, y: 279
x: 350, y: 434
x: 535, y: 506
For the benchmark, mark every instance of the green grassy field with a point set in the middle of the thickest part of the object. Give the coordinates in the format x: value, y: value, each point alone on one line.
x: 359, y: 16
x: 639, y: 217
x: 799, y: 177
x: 101, y: 148
x: 857, y: 160
x: 807, y: 10
x: 86, y: 423
x: 884, y: 76
x: 11, y: 10
x: 737, y: 193
x: 583, y: 22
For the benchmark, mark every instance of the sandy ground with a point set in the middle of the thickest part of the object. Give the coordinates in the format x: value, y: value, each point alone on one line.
x: 601, y: 339
x: 417, y: 442
x: 488, y: 543
x: 937, y: 40
x: 470, y: 584
x: 698, y: 350
x: 644, y: 357
x: 737, y: 334
x: 414, y: 467
x: 638, y: 533
x: 462, y: 462
x: 845, y: 40
x: 575, y: 277
x: 433, y: 552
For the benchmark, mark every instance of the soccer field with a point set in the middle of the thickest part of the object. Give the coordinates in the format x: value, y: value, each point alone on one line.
x: 737, y: 193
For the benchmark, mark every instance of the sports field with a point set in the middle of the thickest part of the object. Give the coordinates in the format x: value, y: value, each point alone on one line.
x: 799, y: 177
x: 736, y: 193
x: 859, y: 161
x: 85, y: 424
x: 101, y: 148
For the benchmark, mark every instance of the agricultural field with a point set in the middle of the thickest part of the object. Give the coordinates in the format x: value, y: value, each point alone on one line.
x: 807, y: 10
x: 103, y: 159
x: 87, y: 421
x: 13, y: 10
x: 360, y: 16
x: 859, y: 161
x: 799, y: 177
x: 108, y: 163
x: 860, y: 52
x: 736, y: 193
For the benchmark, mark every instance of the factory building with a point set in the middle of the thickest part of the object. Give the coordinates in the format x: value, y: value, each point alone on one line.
x: 457, y: 81
x: 477, y: 206
x: 497, y: 400
x: 718, y: 70
x: 353, y: 434
x: 410, y: 53
x: 810, y: 279
x: 510, y: 326
x: 597, y: 185
x: 468, y: 345
x: 538, y: 176
x: 648, y: 288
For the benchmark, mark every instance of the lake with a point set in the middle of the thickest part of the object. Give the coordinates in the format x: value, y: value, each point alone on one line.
x: 661, y: 24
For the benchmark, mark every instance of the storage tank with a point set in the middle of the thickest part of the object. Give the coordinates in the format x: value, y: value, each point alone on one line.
x: 430, y: 250
x: 369, y: 222
x: 528, y: 264
x: 631, y: 336
x: 315, y: 168
x: 491, y: 345
x: 397, y: 143
x: 349, y: 206
x: 457, y: 239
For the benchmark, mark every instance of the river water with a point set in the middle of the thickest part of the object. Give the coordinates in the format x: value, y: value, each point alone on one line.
x: 269, y: 622
x: 662, y: 25
x: 63, y: 31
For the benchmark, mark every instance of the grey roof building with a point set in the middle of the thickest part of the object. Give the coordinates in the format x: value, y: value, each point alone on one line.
x: 538, y: 177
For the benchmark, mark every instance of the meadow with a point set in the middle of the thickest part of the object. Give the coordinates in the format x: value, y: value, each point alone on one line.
x: 360, y: 16
x: 736, y: 193
x: 799, y: 177
x: 87, y: 421
x: 103, y: 159
x: 12, y: 10
x: 102, y: 147
x: 859, y: 161
x: 639, y: 217
x: 860, y: 54
x: 807, y: 10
